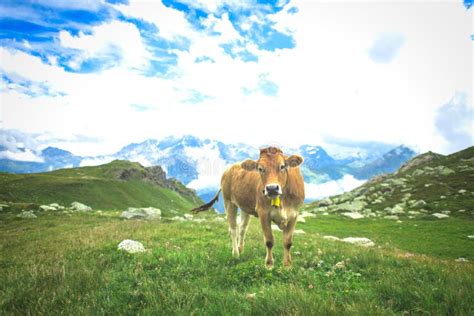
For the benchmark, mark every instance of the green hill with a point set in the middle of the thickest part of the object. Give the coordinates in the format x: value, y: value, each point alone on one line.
x: 118, y: 184
x: 427, y: 184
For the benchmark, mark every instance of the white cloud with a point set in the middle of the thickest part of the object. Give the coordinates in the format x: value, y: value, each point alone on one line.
x: 318, y: 191
x: 209, y: 166
x: 109, y: 40
x: 96, y: 161
x: 26, y: 155
x: 170, y: 22
x: 327, y: 85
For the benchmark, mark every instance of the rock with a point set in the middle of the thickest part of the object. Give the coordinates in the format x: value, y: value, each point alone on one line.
x: 299, y: 232
x: 26, y: 214
x: 444, y: 171
x: 76, y: 206
x: 199, y: 220
x: 47, y: 208
x: 353, y: 215
x: 462, y: 191
x: 325, y: 213
x: 417, y: 204
x: 470, y: 236
x: 439, y: 215
x: 461, y: 211
x: 399, y: 222
x: 461, y: 259
x: 414, y: 212
x: 219, y: 220
x: 307, y: 214
x: 275, y: 227
x: 397, y: 209
x: 417, y: 173
x: 446, y: 212
x: 394, y: 217
x: 188, y: 216
x: 332, y: 238
x: 361, y: 241
x: 355, y: 206
x: 345, y: 197
x: 141, y: 213
x: 178, y: 218
x: 325, y: 202
x: 301, y: 219
x: 131, y: 246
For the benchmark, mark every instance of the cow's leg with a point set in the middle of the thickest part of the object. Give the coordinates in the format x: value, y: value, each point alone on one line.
x: 288, y: 240
x: 231, y: 212
x: 244, y: 223
x: 268, y: 238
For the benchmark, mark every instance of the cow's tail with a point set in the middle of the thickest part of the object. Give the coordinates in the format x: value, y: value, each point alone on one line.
x: 208, y: 205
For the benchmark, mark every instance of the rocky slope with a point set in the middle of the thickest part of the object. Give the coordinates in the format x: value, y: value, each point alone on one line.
x: 429, y: 185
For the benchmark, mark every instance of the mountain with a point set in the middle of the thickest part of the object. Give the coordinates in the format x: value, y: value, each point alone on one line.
x: 118, y: 184
x: 199, y: 163
x: 389, y: 162
x: 424, y: 185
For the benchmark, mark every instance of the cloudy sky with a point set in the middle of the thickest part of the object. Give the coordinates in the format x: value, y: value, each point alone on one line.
x: 92, y: 76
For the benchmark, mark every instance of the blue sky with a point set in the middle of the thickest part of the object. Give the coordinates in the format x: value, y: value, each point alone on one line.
x: 108, y: 73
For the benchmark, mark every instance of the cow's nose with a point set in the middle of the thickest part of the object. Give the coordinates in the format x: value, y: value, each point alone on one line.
x: 273, y: 189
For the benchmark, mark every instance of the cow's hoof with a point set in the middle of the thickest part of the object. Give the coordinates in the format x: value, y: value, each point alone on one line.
x: 269, y: 264
x: 235, y: 254
x: 241, y: 249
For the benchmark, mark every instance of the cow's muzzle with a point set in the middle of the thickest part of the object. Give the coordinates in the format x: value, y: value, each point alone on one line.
x: 272, y: 190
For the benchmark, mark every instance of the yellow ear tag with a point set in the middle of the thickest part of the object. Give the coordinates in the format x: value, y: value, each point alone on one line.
x: 276, y: 201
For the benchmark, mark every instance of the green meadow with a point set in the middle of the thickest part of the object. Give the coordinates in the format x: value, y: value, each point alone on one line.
x: 69, y: 264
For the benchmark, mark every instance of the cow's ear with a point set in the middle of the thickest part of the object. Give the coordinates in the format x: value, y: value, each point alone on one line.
x: 294, y: 161
x: 249, y: 165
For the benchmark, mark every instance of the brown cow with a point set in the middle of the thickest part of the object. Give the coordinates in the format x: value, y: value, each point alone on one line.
x: 272, y: 189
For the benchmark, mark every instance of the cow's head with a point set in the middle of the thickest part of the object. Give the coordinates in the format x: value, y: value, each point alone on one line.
x: 273, y: 168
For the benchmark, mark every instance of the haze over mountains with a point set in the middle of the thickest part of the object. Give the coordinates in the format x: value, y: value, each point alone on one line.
x: 199, y: 163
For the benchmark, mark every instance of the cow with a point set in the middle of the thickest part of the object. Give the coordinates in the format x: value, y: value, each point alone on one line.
x: 270, y: 188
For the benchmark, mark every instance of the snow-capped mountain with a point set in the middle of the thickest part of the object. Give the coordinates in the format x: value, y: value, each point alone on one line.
x: 199, y: 163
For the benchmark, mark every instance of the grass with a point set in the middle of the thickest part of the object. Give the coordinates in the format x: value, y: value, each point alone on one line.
x: 59, y: 264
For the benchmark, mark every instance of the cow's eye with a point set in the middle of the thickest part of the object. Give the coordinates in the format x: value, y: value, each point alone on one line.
x: 282, y: 167
x: 261, y: 170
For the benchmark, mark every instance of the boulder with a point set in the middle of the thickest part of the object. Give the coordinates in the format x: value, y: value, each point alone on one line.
x: 188, y: 216
x: 47, y: 208
x: 440, y: 215
x: 79, y: 207
x: 355, y: 206
x: 417, y: 173
x: 394, y: 217
x: 417, y: 204
x: 301, y: 219
x: 26, y: 214
x: 397, y: 209
x: 299, y: 232
x: 131, y: 246
x: 179, y: 219
x: 353, y: 215
x: 141, y: 213
x: 332, y: 238
x: 361, y: 241
x: 307, y: 214
x: 444, y: 171
x: 325, y: 202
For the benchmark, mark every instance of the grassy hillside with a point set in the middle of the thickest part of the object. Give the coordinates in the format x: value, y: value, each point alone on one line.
x: 59, y: 264
x: 427, y: 184
x: 118, y: 184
